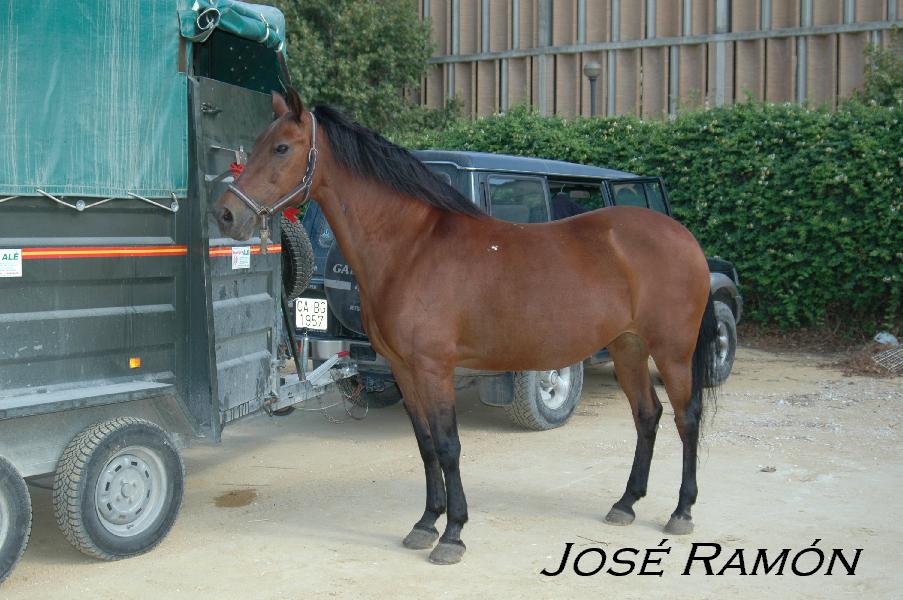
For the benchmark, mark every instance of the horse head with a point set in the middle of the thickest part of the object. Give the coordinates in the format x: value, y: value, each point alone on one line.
x: 269, y: 182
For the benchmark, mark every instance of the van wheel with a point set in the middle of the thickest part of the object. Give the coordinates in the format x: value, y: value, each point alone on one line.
x: 118, y: 488
x: 545, y: 399
x: 15, y: 517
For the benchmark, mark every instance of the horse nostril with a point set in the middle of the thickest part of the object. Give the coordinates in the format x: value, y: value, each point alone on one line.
x: 227, y: 216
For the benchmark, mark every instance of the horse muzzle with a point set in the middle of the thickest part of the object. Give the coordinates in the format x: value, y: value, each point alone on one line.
x: 233, y: 218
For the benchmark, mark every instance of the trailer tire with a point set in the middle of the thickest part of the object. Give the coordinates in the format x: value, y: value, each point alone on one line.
x: 297, y: 258
x: 15, y: 517
x: 118, y: 488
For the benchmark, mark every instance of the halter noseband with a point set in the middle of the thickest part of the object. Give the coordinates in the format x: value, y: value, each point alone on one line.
x: 265, y: 211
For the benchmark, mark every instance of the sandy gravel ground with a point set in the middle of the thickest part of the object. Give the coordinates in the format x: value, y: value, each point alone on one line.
x: 794, y: 453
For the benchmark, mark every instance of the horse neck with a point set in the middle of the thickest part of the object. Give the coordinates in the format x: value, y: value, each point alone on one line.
x: 376, y: 228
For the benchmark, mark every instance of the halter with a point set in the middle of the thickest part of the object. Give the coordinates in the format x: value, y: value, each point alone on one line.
x: 265, y: 212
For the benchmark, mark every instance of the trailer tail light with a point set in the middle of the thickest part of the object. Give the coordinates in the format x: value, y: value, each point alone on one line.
x: 135, y: 362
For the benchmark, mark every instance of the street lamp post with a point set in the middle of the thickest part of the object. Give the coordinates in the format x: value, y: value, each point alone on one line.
x: 592, y: 70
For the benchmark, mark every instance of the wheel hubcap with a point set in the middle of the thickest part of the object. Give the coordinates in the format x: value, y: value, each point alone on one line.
x: 554, y: 387
x: 130, y: 492
x: 724, y: 344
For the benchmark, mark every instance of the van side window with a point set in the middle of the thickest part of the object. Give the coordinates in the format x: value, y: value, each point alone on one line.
x: 629, y: 194
x: 587, y: 195
x: 450, y: 175
x: 518, y: 199
x: 656, y: 197
x: 647, y: 194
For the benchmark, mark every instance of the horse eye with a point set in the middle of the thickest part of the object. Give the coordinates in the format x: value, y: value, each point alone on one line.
x: 281, y: 148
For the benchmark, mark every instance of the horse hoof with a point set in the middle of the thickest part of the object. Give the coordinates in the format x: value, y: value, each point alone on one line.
x: 679, y: 526
x: 447, y: 553
x: 421, y: 539
x: 619, y: 517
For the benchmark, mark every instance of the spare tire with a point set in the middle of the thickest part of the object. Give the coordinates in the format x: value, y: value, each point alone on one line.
x: 342, y: 290
x: 297, y: 258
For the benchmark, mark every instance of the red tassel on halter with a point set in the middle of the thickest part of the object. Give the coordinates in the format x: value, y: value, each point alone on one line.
x: 236, y: 169
x: 291, y: 214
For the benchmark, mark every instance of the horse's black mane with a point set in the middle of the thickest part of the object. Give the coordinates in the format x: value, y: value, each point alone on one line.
x: 368, y: 154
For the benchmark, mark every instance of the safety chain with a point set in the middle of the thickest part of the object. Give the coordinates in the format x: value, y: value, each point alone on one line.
x: 351, y: 399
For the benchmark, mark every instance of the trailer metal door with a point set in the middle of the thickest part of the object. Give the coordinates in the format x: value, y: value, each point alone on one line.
x: 243, y: 282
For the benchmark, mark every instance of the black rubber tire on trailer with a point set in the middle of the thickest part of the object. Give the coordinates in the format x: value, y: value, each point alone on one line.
x: 15, y: 517
x: 726, y: 343
x: 283, y: 412
x: 297, y: 258
x: 545, y: 399
x: 118, y: 488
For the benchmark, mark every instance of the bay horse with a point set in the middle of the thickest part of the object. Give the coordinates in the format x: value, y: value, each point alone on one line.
x: 444, y: 285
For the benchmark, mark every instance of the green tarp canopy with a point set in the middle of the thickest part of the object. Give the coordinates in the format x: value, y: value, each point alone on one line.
x: 93, y: 93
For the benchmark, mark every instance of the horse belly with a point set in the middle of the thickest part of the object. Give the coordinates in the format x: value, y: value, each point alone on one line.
x: 552, y: 318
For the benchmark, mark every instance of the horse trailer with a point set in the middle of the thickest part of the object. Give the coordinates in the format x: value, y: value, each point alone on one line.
x: 128, y: 325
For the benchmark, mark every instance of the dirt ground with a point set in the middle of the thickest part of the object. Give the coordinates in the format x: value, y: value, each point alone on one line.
x: 301, y: 507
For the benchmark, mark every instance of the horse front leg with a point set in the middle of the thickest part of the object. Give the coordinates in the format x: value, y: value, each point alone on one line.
x: 444, y: 427
x: 424, y: 533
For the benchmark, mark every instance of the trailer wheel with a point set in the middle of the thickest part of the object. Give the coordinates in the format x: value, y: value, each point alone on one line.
x: 15, y: 517
x: 118, y: 488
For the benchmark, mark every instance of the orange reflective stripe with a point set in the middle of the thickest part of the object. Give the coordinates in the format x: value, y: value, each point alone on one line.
x: 101, y: 252
x: 126, y: 251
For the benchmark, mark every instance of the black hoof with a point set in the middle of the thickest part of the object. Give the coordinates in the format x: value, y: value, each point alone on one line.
x: 447, y: 553
x: 421, y: 539
x: 679, y: 526
x: 619, y: 516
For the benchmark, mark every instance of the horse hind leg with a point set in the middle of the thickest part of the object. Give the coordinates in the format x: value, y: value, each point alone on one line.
x: 631, y: 359
x: 678, y: 379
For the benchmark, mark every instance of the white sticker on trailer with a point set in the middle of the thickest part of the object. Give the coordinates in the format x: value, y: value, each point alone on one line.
x: 241, y: 257
x: 10, y: 262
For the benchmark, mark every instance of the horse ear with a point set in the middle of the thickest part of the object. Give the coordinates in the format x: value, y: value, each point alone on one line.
x: 294, y: 102
x: 279, y: 105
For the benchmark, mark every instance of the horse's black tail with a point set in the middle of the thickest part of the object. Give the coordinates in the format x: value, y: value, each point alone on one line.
x: 703, y: 387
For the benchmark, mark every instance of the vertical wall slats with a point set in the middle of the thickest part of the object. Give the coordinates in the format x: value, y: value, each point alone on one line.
x: 653, y: 81
x: 749, y: 62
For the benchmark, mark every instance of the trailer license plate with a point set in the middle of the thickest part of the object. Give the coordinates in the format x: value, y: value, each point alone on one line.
x: 310, y: 313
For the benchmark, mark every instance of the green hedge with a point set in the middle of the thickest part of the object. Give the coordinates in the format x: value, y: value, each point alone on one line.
x: 807, y: 203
